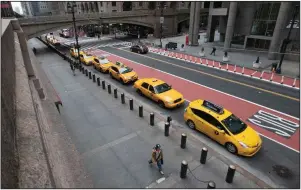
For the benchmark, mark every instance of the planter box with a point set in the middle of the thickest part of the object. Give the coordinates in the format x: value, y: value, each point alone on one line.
x: 226, y: 59
x: 256, y: 65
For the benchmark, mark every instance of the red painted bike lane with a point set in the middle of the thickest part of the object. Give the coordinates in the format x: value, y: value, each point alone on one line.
x: 193, y: 91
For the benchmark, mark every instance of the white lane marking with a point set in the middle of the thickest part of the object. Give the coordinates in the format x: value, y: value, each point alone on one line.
x: 160, y: 180
x: 222, y: 93
x: 207, y: 87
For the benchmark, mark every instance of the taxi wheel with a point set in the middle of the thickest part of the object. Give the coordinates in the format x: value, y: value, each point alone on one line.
x: 139, y: 92
x: 190, y: 124
x: 161, y: 104
x: 231, y: 148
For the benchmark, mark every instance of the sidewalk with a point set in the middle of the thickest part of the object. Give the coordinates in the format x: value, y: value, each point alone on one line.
x: 115, y: 143
x: 238, y: 56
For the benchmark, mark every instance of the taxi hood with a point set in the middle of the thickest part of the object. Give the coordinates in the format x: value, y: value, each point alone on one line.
x: 249, y: 137
x: 130, y: 74
x: 170, y: 95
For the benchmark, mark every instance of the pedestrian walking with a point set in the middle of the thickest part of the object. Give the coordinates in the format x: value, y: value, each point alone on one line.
x: 157, y: 157
x: 213, y: 51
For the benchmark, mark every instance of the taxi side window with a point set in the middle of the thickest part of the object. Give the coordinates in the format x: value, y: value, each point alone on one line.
x: 96, y: 60
x: 145, y: 85
x: 81, y: 55
x: 114, y: 69
x: 207, y: 117
x: 151, y: 88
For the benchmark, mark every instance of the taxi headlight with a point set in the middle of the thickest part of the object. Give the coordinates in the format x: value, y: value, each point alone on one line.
x: 243, y: 144
x: 169, y: 102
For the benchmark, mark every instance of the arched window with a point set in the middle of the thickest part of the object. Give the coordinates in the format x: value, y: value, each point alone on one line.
x: 127, y: 6
x: 86, y: 7
x: 91, y: 7
x: 151, y: 5
x: 82, y: 7
x: 96, y: 6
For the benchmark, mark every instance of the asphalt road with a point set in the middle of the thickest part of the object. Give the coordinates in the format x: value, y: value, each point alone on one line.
x: 272, y: 154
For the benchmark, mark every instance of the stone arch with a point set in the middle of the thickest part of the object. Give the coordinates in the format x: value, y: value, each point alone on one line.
x: 96, y: 6
x: 127, y: 6
x: 152, y: 5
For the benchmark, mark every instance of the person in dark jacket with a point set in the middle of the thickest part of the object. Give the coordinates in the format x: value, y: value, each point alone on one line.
x: 213, y: 51
x: 157, y: 157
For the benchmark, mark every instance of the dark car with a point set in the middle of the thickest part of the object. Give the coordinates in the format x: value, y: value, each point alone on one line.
x: 139, y: 48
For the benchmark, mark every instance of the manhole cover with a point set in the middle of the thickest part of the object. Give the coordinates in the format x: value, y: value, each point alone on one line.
x: 282, y: 171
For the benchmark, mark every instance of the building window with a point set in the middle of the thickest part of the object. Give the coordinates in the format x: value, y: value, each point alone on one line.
x: 265, y: 19
x: 114, y: 11
x: 140, y: 4
x: 114, y: 4
x: 258, y: 44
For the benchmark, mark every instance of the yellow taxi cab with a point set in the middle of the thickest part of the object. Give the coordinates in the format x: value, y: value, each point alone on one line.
x: 222, y: 126
x: 160, y: 92
x: 124, y: 74
x: 86, y: 58
x: 102, y: 64
x: 74, y: 52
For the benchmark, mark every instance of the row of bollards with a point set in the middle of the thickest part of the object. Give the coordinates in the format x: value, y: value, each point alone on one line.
x: 184, y: 164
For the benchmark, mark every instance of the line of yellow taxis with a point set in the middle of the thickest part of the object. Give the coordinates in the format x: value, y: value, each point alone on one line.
x: 201, y: 115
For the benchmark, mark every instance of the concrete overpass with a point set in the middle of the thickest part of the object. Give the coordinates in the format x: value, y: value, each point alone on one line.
x: 36, y: 26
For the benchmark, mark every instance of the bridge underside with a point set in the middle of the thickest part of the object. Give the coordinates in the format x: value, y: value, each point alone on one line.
x: 170, y: 25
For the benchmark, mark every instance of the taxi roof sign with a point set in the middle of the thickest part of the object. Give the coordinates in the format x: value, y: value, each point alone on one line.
x: 213, y: 107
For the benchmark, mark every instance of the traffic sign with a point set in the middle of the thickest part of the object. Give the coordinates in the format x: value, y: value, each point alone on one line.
x: 161, y: 20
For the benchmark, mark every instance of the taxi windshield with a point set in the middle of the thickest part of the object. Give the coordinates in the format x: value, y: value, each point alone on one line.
x: 162, y: 88
x: 104, y: 61
x: 234, y: 124
x: 125, y: 70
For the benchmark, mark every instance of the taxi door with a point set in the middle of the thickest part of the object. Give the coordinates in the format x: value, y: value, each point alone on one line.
x: 144, y: 89
x: 152, y: 94
x: 215, y: 130
x: 115, y: 72
x: 96, y: 63
x: 81, y: 58
x: 197, y: 118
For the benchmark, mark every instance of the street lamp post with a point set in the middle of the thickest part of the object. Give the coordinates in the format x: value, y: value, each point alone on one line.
x: 287, y: 40
x: 161, y: 6
x: 71, y: 6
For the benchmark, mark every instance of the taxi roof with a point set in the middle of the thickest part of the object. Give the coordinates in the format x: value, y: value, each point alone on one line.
x: 198, y: 104
x: 153, y: 81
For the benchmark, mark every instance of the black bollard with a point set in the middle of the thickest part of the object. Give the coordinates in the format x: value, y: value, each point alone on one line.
x: 169, y: 119
x: 86, y: 71
x: 204, y: 155
x: 90, y: 76
x: 80, y: 68
x: 122, y: 98
x: 211, y: 185
x: 131, y: 104
x: 183, y: 172
x: 109, y: 88
x: 152, y: 119
x: 115, y: 92
x: 93, y: 77
x: 103, y: 84
x: 140, y: 111
x: 83, y: 70
x: 230, y: 174
x: 183, y: 140
x: 98, y: 81
x: 166, y: 129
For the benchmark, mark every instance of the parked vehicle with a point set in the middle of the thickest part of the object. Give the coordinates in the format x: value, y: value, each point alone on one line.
x: 171, y: 45
x: 139, y: 48
x: 65, y: 33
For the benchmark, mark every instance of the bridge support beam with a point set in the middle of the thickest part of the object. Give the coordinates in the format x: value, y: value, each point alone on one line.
x: 194, y: 26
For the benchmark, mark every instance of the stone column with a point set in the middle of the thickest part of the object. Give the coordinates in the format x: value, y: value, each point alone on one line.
x: 230, y: 25
x: 196, y: 24
x: 281, y: 23
x: 191, y: 21
x: 210, y: 24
